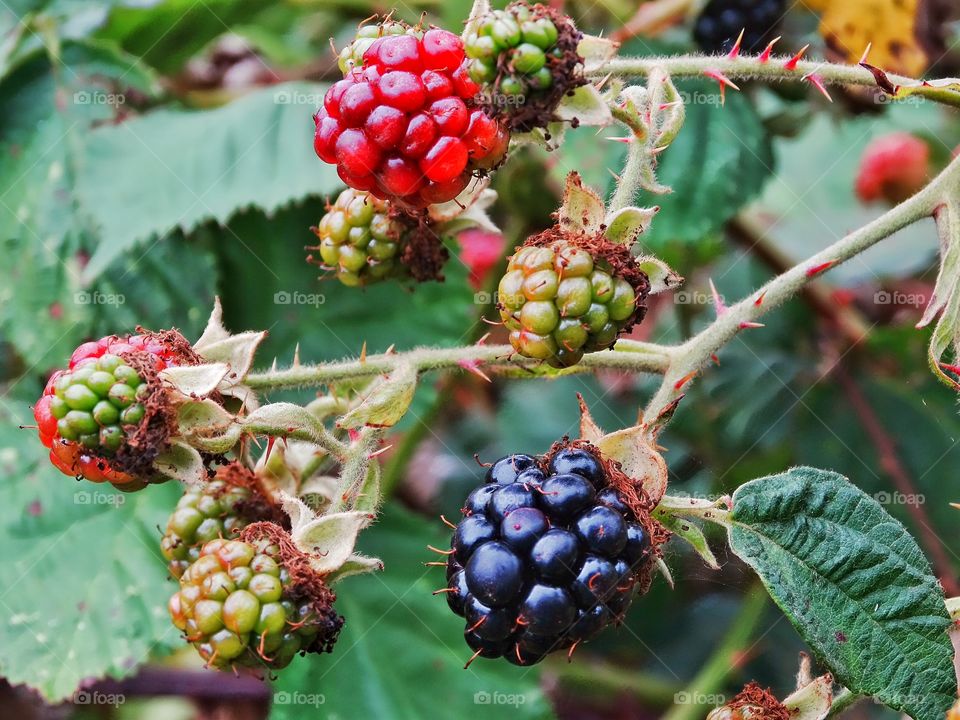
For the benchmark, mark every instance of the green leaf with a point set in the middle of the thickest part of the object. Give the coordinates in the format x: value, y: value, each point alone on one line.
x: 853, y: 582
x: 254, y: 152
x: 401, y: 652
x: 46, y: 116
x: 85, y: 588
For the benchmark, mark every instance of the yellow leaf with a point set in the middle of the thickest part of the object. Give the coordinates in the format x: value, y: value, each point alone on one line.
x: 891, y: 26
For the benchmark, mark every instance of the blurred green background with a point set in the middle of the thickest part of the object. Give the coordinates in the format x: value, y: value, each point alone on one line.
x: 156, y: 154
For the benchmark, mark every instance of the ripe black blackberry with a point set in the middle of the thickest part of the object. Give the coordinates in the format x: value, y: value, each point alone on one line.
x: 549, y: 552
x: 720, y: 23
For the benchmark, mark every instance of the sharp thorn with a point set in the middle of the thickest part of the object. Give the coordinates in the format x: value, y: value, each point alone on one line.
x: 718, y: 303
x: 735, y: 50
x: 821, y: 268
x: 817, y: 82
x: 866, y: 52
x: 750, y: 325
x: 764, y: 57
x: 684, y: 380
x: 363, y: 353
x: 759, y: 301
x: 472, y: 658
x: 791, y: 64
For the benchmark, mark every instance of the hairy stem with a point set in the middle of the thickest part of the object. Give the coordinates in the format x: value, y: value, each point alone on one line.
x: 727, y: 658
x: 631, y: 179
x: 626, y: 355
x: 694, y: 354
x: 775, y: 69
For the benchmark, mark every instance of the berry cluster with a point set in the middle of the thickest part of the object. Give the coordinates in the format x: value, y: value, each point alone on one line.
x: 359, y: 239
x: 526, y: 55
x: 88, y: 411
x: 719, y: 25
x: 559, y: 301
x: 405, y: 125
x: 548, y: 554
x: 239, y: 604
x: 220, y: 508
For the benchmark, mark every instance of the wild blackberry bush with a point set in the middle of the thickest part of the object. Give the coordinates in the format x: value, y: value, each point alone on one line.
x: 549, y: 553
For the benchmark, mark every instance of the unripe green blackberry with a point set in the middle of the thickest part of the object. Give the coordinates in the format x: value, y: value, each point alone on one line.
x: 359, y: 239
x: 563, y: 296
x: 241, y: 603
x: 364, y: 239
x: 95, y: 401
x: 351, y: 56
x: 525, y: 60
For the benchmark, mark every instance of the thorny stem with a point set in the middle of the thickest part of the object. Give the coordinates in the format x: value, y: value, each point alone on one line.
x: 688, y: 359
x: 775, y: 69
x: 727, y: 658
x: 627, y: 355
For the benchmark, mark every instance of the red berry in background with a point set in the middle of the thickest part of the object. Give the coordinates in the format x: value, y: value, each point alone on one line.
x: 893, y: 168
x: 480, y: 251
x: 404, y: 125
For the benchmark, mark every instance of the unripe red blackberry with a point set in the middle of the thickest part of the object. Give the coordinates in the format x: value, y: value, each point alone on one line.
x: 220, y: 509
x: 99, y: 415
x: 565, y: 295
x: 405, y: 124
x: 253, y: 602
x: 550, y: 551
x: 525, y: 60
